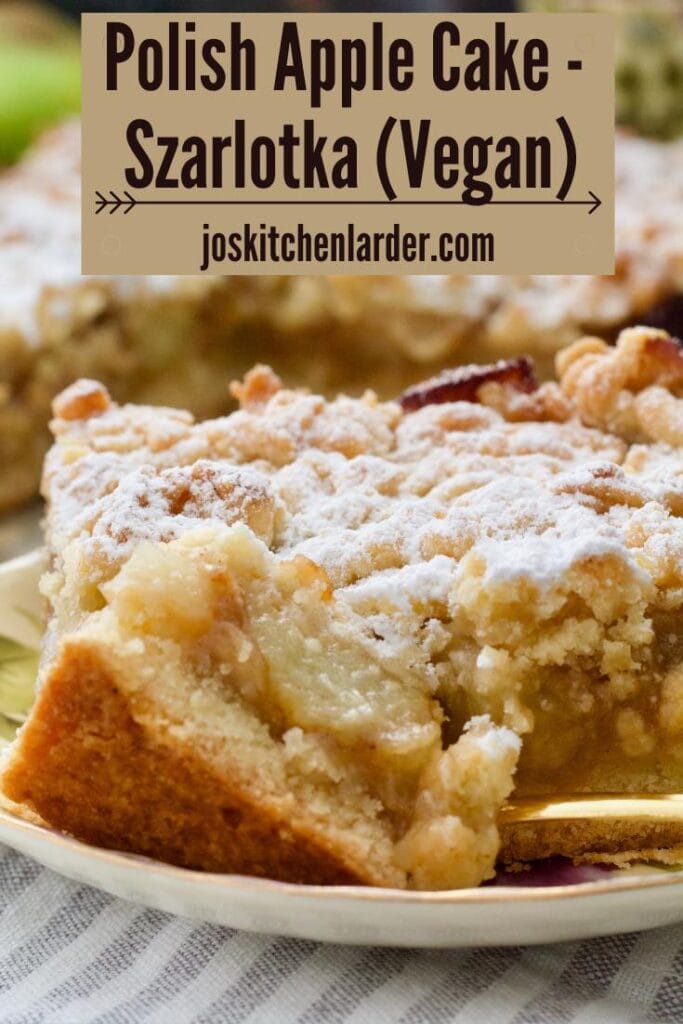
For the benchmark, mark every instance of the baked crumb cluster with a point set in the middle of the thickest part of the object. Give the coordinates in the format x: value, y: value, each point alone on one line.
x: 403, y: 594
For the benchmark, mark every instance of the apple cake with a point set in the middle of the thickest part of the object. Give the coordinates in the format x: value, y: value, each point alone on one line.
x: 324, y: 640
x: 162, y: 340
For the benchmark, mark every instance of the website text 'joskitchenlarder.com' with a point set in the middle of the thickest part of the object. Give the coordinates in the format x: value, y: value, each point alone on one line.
x: 266, y: 243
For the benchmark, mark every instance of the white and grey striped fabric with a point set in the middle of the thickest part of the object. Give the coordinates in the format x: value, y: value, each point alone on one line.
x: 73, y: 955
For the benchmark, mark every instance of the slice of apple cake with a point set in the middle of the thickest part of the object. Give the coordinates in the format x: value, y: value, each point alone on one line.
x: 323, y: 641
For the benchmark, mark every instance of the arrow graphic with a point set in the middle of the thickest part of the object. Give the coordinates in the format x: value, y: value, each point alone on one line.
x: 116, y: 203
x: 596, y: 202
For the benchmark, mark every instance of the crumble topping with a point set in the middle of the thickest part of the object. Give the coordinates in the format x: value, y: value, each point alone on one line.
x: 361, y: 488
x: 148, y: 505
x: 84, y: 398
x: 637, y: 392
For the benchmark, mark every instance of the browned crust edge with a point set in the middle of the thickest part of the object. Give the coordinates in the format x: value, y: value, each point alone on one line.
x: 88, y: 768
x: 611, y: 841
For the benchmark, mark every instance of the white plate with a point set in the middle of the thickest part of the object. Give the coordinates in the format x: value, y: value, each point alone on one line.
x: 618, y: 902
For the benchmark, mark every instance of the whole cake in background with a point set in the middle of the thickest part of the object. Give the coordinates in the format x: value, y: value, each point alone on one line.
x: 176, y: 340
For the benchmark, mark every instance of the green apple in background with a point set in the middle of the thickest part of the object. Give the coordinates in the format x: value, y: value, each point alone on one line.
x: 40, y: 76
x: 37, y: 87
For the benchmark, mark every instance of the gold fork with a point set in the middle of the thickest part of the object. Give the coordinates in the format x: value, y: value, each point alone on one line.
x: 607, y: 824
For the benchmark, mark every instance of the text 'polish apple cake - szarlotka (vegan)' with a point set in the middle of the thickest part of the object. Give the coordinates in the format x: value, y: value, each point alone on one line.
x: 323, y: 641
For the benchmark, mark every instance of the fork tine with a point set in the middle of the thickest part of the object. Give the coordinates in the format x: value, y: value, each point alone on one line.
x: 614, y: 827
x: 594, y: 807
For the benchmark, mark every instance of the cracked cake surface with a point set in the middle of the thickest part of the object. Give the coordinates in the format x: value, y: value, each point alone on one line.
x: 324, y: 640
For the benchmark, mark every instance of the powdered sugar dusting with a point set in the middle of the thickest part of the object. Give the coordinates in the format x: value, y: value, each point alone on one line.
x: 161, y: 506
x: 495, y: 743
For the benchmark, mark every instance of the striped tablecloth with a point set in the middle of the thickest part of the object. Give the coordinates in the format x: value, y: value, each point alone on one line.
x: 73, y: 955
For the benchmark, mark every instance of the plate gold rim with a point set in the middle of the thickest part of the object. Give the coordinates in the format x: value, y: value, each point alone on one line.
x: 497, y: 894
